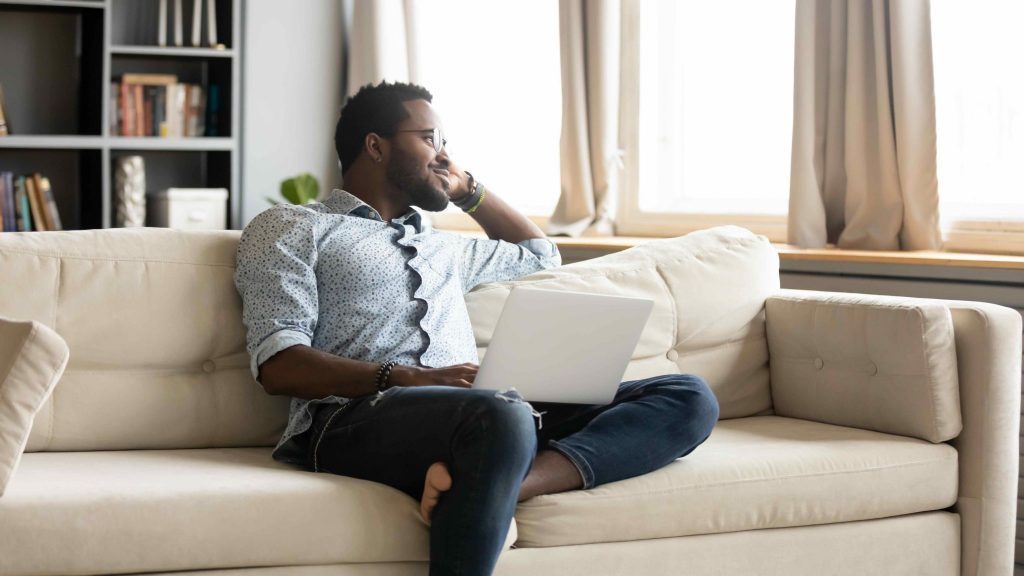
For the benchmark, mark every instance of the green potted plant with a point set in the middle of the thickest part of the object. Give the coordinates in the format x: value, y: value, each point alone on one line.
x: 301, y: 189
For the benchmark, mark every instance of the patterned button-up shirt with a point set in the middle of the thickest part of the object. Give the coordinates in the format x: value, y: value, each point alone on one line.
x: 336, y: 277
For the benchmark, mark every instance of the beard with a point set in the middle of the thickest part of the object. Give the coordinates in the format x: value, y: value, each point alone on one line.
x: 404, y: 172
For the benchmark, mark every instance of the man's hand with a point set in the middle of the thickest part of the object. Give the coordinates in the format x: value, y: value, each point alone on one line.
x: 459, y: 376
x: 458, y: 181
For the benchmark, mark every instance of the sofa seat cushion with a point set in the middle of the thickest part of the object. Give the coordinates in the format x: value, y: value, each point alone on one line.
x: 753, y: 473
x: 166, y: 510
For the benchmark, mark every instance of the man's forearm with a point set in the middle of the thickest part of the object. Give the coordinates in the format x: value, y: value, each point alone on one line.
x: 307, y: 373
x: 503, y: 222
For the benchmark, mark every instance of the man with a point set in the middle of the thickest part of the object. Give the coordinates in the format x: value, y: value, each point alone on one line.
x: 356, y: 311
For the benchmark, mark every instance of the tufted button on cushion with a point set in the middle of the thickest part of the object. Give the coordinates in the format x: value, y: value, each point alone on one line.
x: 672, y: 355
x: 872, y: 368
x: 819, y: 363
x: 209, y: 366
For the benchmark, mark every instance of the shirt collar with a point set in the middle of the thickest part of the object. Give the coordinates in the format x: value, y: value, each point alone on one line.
x: 342, y: 202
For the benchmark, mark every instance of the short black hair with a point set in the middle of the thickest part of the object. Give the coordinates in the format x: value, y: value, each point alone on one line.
x: 375, y: 109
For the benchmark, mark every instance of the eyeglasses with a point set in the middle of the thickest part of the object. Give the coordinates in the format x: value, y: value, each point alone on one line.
x: 435, y: 137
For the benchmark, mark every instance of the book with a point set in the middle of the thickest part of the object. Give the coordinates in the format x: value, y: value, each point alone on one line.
x: 49, y: 204
x: 115, y: 108
x: 171, y: 112
x: 11, y: 222
x: 211, y: 22
x: 178, y: 36
x: 12, y: 206
x: 23, y: 213
x: 139, y: 120
x: 176, y: 110
x: 4, y: 203
x: 160, y: 111
x: 127, y: 110
x: 36, y: 206
x: 147, y: 106
x: 162, y: 24
x: 4, y: 128
x: 213, y: 110
x: 197, y: 21
x: 195, y: 110
x: 149, y: 79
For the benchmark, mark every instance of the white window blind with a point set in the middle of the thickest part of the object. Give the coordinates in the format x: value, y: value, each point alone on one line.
x: 494, y: 70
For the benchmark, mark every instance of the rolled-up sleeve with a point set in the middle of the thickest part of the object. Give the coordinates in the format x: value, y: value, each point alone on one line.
x: 485, y: 260
x: 275, y: 276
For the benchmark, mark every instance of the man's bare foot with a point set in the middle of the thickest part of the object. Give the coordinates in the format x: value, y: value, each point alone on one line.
x: 438, y: 480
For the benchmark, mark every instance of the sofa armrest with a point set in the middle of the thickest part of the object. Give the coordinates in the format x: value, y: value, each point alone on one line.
x: 987, y: 344
x: 988, y: 348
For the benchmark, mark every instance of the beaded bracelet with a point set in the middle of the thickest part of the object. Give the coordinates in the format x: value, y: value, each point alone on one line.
x: 384, y: 375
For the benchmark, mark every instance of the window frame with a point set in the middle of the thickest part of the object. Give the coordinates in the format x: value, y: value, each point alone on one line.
x: 630, y: 219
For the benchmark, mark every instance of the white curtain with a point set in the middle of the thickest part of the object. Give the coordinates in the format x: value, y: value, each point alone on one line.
x: 381, y: 42
x: 864, y: 152
x: 590, y: 48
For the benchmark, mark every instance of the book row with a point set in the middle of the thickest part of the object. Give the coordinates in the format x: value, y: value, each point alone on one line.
x: 26, y: 204
x: 158, y: 105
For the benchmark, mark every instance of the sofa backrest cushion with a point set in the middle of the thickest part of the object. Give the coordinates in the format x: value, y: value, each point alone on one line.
x: 883, y: 363
x: 708, y: 288
x: 153, y: 323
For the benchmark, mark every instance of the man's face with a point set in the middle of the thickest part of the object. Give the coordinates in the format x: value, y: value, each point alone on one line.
x: 415, y: 168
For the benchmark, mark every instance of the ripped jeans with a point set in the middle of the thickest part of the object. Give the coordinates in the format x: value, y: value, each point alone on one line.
x: 489, y: 441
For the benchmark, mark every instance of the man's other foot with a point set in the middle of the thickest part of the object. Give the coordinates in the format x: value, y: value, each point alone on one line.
x: 438, y: 480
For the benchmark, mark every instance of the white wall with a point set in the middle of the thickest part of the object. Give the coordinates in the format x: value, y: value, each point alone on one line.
x: 292, y: 75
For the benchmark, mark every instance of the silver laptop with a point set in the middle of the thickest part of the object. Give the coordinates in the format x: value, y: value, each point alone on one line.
x: 558, y: 346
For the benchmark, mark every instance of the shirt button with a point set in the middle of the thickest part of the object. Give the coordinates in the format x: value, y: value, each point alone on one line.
x: 209, y: 366
x: 819, y: 363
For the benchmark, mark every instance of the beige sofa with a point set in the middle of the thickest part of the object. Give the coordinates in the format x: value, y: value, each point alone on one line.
x: 859, y: 434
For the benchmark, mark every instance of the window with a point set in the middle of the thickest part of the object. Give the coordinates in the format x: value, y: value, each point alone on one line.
x: 494, y: 70
x: 707, y: 115
x: 978, y: 60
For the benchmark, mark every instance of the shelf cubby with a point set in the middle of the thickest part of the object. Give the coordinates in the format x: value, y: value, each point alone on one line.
x: 51, y: 69
x: 75, y: 179
x: 136, y: 23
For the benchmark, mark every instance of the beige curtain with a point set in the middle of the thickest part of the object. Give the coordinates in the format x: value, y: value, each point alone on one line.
x: 590, y: 110
x: 863, y: 164
x: 381, y: 42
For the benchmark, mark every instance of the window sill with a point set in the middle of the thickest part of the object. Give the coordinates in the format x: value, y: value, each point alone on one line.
x: 958, y: 267
x: 793, y: 253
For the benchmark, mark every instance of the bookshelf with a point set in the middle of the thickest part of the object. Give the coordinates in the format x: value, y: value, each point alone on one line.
x: 58, y: 59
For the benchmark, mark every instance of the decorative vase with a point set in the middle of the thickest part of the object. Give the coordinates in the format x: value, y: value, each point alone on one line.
x: 130, y: 191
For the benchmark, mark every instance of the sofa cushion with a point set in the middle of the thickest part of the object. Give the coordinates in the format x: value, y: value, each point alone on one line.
x: 708, y: 288
x: 153, y: 322
x: 833, y: 360
x: 149, y: 510
x: 753, y: 473
x: 32, y: 358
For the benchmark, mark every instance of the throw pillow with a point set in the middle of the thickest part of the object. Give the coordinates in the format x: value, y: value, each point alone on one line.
x: 32, y: 359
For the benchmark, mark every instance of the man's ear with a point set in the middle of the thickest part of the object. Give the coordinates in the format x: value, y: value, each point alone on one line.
x: 375, y: 147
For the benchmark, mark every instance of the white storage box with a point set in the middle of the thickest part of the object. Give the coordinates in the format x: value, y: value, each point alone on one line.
x: 188, y: 208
